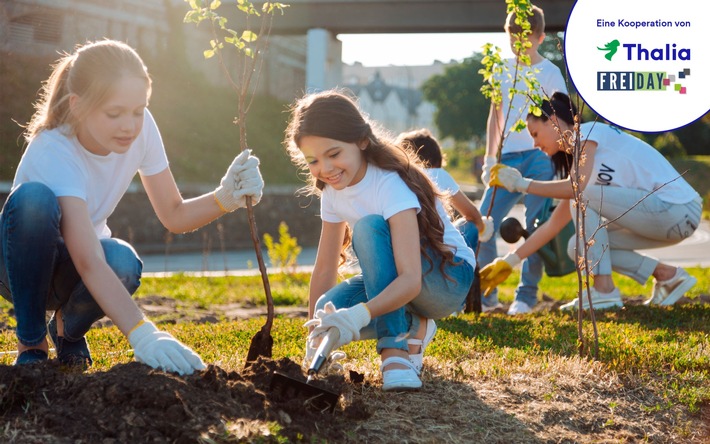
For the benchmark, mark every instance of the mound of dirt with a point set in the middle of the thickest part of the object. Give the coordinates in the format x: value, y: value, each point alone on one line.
x: 133, y: 403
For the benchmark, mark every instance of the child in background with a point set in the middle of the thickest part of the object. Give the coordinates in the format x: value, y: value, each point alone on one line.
x: 474, y: 227
x: 633, y: 196
x: 519, y: 152
x: 415, y: 266
x: 92, y: 132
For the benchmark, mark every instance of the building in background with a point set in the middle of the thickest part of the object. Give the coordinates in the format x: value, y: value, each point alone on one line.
x: 46, y: 28
x: 49, y: 27
x: 391, y: 95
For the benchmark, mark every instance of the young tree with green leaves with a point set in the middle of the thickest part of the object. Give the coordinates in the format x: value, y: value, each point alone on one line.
x: 248, y: 47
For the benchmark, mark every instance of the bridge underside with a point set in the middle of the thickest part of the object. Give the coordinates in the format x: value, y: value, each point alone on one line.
x: 408, y: 16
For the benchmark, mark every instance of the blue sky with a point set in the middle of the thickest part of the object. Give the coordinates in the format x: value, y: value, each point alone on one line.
x: 416, y: 49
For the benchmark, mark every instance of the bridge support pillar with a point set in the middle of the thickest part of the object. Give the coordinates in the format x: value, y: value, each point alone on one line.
x: 323, y: 60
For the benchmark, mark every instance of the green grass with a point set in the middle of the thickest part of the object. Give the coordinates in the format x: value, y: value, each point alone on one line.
x: 248, y: 290
x: 666, y: 348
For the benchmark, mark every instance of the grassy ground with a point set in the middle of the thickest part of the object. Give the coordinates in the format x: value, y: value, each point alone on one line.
x: 521, y: 374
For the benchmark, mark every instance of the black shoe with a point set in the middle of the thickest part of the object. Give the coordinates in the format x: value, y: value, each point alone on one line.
x: 71, y: 354
x: 31, y: 356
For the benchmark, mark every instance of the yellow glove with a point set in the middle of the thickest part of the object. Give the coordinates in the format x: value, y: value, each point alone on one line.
x: 509, y: 178
x: 497, y: 272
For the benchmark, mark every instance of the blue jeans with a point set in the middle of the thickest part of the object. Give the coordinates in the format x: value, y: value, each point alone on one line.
x: 37, y: 273
x: 469, y: 232
x: 536, y: 165
x: 439, y: 296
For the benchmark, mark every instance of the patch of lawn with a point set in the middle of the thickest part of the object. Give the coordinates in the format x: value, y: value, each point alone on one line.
x: 663, y: 349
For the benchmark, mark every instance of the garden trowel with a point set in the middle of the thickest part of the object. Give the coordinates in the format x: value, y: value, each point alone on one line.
x: 318, y: 398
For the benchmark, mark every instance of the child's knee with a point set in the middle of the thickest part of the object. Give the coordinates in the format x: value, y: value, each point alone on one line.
x: 367, y: 228
x: 125, y: 263
x: 34, y: 203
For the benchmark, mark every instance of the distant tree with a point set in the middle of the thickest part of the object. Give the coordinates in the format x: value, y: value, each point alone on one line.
x: 695, y: 138
x: 669, y: 145
x: 461, y: 109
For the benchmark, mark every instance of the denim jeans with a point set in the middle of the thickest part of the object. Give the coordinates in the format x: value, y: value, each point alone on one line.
x: 439, y: 296
x: 536, y: 165
x: 640, y: 221
x: 469, y: 232
x: 37, y: 273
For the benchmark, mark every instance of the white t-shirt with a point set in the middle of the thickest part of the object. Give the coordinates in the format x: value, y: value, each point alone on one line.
x: 443, y: 180
x: 550, y: 80
x: 384, y: 193
x: 622, y: 160
x: 68, y: 169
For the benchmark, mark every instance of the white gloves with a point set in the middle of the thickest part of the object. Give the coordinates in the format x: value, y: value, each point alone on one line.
x: 349, y: 321
x: 487, y: 233
x: 242, y: 180
x: 509, y: 178
x: 159, y: 349
x: 488, y: 163
x: 331, y: 366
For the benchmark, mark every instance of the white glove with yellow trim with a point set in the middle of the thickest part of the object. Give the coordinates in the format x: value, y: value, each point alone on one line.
x: 509, y: 178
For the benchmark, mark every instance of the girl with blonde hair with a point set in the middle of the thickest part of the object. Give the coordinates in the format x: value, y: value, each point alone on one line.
x: 91, y: 133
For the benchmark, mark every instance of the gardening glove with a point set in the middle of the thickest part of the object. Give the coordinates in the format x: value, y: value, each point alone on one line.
x: 488, y: 229
x: 497, y: 272
x: 159, y: 349
x: 242, y: 180
x: 331, y: 366
x: 349, y: 321
x: 510, y: 179
x: 488, y: 163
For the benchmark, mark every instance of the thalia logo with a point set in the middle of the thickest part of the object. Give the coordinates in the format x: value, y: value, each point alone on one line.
x: 642, y: 80
x: 636, y: 51
x: 611, y: 47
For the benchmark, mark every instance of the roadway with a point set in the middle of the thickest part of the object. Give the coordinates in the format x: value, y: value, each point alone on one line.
x: 692, y: 252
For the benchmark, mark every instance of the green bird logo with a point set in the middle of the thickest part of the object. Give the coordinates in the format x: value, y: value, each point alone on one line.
x: 612, y: 47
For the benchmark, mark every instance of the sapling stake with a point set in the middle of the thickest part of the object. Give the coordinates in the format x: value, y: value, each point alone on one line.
x: 250, y: 48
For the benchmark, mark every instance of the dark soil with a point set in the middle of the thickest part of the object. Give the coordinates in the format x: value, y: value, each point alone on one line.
x: 133, y: 403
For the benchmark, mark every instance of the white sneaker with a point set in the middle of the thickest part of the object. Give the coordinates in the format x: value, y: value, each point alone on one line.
x: 418, y: 358
x: 486, y: 308
x: 399, y: 379
x: 599, y: 301
x: 519, y: 307
x: 668, y: 292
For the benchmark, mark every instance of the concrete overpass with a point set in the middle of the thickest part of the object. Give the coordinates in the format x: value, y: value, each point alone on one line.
x: 323, y: 20
x: 407, y: 16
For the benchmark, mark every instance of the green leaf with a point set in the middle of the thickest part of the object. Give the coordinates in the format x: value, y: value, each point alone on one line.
x: 215, y: 4
x: 519, y: 126
x: 191, y: 17
x: 208, y: 53
x: 249, y: 36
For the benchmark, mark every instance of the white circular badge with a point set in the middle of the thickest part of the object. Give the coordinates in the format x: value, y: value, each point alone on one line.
x: 643, y: 65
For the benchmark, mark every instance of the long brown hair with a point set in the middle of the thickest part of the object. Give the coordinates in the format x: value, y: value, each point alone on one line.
x: 90, y: 73
x: 334, y: 115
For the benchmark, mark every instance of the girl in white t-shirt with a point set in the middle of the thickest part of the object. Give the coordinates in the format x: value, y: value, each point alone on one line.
x: 415, y: 265
x: 474, y: 227
x: 633, y: 196
x: 90, y: 135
